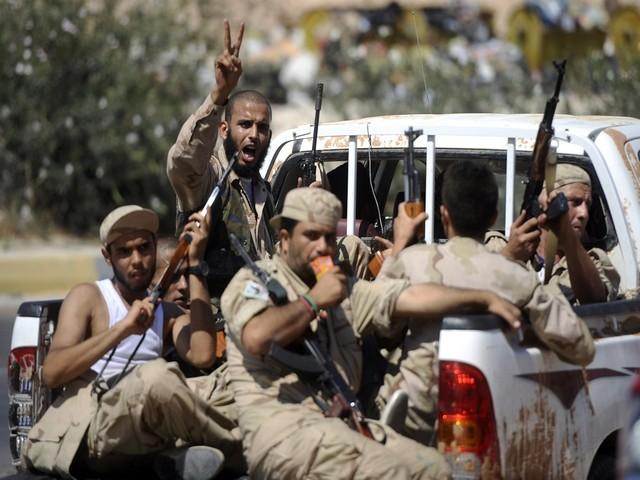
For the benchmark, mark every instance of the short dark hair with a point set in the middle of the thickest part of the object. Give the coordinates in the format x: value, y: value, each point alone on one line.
x: 248, y: 96
x: 470, y: 193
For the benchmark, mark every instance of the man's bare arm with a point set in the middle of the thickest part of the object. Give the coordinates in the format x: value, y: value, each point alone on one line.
x: 430, y: 301
x: 193, y: 332
x: 585, y: 279
x: 74, y: 349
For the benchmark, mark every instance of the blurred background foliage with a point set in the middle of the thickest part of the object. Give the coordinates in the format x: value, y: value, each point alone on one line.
x: 92, y: 93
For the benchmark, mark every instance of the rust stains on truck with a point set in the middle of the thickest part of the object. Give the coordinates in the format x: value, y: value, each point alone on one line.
x: 530, y: 445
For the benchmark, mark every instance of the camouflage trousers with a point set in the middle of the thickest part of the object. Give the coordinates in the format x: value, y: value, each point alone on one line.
x: 302, y: 443
x: 153, y: 408
x: 418, y: 376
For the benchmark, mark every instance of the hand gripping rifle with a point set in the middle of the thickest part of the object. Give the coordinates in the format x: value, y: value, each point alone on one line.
x: 316, y: 364
x: 309, y: 165
x: 539, y: 162
x: 183, y: 244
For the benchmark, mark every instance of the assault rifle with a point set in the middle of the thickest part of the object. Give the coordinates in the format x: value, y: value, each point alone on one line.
x: 309, y: 165
x: 183, y: 244
x: 414, y: 205
x: 316, y: 364
x: 537, y: 171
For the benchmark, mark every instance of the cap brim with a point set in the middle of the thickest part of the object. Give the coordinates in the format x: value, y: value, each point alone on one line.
x: 144, y: 219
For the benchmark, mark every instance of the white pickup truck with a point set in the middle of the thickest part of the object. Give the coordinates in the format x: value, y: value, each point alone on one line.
x: 523, y: 412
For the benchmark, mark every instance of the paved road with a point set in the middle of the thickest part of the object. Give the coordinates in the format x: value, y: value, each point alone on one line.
x: 8, y: 307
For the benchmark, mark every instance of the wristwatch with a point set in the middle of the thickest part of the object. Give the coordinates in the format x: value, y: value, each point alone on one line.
x: 200, y: 270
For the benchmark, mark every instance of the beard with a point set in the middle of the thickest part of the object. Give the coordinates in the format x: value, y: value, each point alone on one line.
x: 244, y: 171
x: 135, y: 289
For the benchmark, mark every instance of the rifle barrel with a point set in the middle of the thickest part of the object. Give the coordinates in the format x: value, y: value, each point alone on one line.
x: 218, y: 188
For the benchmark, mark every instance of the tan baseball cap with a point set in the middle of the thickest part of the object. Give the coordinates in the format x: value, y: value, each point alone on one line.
x: 567, y: 173
x: 126, y: 219
x: 314, y: 205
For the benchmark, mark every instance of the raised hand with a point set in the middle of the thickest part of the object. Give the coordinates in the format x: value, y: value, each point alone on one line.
x: 198, y: 228
x: 228, y: 67
x: 405, y: 228
x: 523, y: 238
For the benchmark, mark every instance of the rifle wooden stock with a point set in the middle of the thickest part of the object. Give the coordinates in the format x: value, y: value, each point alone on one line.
x: 414, y: 209
x: 375, y: 264
x: 165, y: 280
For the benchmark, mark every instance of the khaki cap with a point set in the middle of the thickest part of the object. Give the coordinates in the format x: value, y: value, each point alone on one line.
x: 126, y: 219
x: 314, y: 205
x: 567, y: 173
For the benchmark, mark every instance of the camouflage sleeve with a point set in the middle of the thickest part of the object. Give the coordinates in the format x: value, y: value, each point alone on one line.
x: 244, y: 298
x: 392, y: 268
x: 558, y: 327
x: 354, y: 251
x: 189, y: 159
x: 608, y: 273
x: 495, y: 241
x: 373, y: 304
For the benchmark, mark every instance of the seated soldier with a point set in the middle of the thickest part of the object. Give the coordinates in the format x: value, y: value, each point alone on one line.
x: 585, y: 276
x: 121, y: 400
x: 470, y: 196
x: 285, y: 431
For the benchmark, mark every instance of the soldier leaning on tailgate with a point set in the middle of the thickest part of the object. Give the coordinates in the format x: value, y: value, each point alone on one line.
x: 469, y: 208
x: 285, y: 433
x: 586, y: 276
x: 121, y: 400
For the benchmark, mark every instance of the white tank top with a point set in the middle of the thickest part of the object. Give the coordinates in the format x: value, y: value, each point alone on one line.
x: 151, y: 347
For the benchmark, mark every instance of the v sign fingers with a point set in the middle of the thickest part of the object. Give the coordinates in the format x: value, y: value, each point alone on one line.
x: 227, y: 36
x: 235, y: 48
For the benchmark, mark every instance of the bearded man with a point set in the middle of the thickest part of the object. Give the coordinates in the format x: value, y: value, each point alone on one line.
x: 194, y: 167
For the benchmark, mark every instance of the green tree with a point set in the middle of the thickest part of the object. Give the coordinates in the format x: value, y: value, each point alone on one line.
x: 90, y: 103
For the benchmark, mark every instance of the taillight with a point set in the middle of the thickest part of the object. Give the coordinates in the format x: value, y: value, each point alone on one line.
x: 21, y: 375
x: 21, y: 370
x: 466, y: 423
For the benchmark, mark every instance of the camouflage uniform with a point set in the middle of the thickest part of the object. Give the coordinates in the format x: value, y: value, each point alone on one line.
x: 193, y: 168
x: 285, y: 433
x: 465, y: 263
x: 567, y: 174
x: 496, y: 241
x: 149, y: 410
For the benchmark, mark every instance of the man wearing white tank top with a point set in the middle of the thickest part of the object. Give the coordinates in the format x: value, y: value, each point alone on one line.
x: 121, y: 400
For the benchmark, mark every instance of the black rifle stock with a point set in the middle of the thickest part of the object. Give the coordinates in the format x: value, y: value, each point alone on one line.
x: 535, y: 178
x: 309, y: 165
x: 316, y: 364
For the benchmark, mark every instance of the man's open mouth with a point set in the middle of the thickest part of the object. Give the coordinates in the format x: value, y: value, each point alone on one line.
x: 249, y: 153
